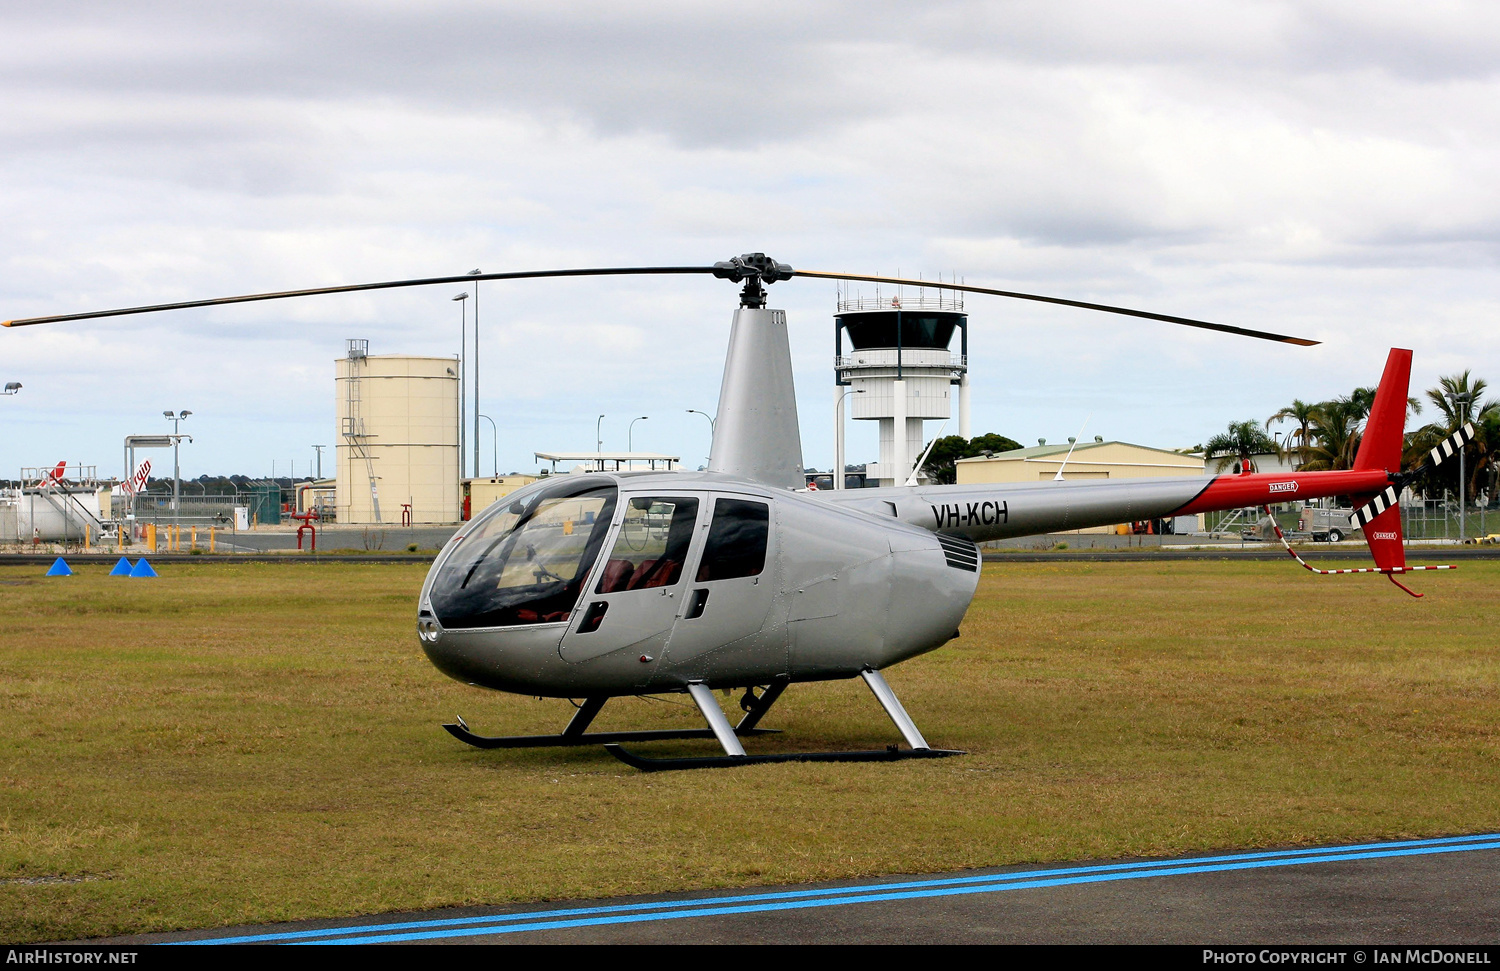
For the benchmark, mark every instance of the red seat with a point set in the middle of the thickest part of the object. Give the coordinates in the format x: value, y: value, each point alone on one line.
x: 663, y: 573
x: 642, y: 574
x: 617, y: 574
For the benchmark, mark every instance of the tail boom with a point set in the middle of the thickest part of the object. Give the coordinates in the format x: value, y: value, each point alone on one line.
x: 1235, y: 491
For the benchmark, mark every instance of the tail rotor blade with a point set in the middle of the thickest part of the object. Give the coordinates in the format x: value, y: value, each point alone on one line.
x: 1446, y: 449
x: 1366, y: 513
x: 1449, y: 447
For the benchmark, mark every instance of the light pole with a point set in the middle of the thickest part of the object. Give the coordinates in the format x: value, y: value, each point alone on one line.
x: 11, y: 387
x: 695, y: 411
x: 630, y: 437
x: 319, y: 450
x: 838, y: 437
x: 1461, y: 399
x: 494, y: 449
x: 463, y: 343
x: 599, y: 441
x: 175, y: 419
x: 476, y: 371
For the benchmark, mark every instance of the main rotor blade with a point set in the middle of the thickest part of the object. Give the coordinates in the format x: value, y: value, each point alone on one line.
x: 1185, y: 321
x: 644, y: 271
x: 355, y: 287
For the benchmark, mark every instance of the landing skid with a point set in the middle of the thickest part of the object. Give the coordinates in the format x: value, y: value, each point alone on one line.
x: 462, y: 733
x: 734, y: 753
x: 574, y: 734
x: 889, y: 754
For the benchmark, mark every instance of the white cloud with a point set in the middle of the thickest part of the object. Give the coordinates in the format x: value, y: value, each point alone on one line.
x: 1323, y: 169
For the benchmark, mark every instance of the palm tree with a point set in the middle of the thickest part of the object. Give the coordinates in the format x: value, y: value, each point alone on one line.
x: 1336, y: 431
x: 1479, y: 455
x: 1302, y: 413
x: 1236, y: 445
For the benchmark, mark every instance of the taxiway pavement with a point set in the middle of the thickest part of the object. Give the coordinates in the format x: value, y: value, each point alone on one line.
x: 1414, y: 892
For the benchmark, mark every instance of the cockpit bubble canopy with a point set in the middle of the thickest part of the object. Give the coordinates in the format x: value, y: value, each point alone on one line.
x: 525, y: 560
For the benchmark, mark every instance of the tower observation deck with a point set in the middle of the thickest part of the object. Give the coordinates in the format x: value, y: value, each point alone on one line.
x: 898, y: 370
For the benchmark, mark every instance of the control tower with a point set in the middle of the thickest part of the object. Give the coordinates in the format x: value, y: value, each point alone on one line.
x: 898, y: 371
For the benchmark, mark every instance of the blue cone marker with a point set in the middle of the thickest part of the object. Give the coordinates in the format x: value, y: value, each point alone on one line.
x: 122, y: 568
x: 60, y: 568
x: 142, y: 569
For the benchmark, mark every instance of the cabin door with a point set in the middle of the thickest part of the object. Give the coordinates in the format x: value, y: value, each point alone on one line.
x: 636, y: 595
x: 729, y: 594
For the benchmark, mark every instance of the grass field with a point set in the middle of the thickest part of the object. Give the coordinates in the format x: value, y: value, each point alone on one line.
x: 244, y: 743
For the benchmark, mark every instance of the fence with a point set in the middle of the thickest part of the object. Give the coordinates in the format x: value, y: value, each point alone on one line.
x: 1439, y: 519
x: 1422, y: 519
x: 261, y: 499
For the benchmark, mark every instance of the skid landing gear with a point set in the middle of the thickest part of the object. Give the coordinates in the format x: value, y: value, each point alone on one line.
x: 735, y: 753
x: 575, y: 733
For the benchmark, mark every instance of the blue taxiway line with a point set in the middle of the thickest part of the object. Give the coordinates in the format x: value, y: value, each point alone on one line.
x: 843, y: 896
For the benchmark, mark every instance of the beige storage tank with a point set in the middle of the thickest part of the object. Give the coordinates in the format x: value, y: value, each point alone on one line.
x: 397, y: 436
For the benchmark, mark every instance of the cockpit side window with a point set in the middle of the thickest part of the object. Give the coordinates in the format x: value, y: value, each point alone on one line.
x: 652, y: 546
x: 737, y: 540
x: 526, y: 563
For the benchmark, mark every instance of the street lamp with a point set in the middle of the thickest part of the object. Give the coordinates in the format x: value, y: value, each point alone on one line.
x: 630, y: 437
x: 494, y: 448
x: 175, y: 419
x: 1461, y: 399
x: 475, y: 272
x: 838, y: 437
x: 599, y: 441
x: 11, y: 387
x: 695, y: 411
x: 463, y: 339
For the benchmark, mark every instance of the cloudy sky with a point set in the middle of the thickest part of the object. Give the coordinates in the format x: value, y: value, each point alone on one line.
x: 1326, y: 169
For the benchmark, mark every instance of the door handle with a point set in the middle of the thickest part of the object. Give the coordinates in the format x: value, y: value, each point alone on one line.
x: 696, y: 605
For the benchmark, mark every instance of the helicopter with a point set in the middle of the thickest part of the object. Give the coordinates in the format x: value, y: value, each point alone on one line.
x: 600, y: 585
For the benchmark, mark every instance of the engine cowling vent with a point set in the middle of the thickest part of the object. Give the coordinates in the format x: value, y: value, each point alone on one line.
x: 960, y: 553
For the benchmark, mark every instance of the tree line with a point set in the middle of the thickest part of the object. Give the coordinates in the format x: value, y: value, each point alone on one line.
x: 1326, y: 435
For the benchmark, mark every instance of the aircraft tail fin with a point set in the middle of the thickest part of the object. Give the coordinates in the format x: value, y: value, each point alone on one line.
x: 1380, y: 448
x: 1379, y: 513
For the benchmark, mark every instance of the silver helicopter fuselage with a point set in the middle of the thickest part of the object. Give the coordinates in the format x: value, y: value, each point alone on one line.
x: 817, y: 591
x: 602, y: 584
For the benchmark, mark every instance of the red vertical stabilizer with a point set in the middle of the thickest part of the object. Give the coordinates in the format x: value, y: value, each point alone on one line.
x: 1380, y: 449
x: 1384, y: 431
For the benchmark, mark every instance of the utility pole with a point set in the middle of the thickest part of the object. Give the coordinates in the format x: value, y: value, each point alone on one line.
x: 319, y: 450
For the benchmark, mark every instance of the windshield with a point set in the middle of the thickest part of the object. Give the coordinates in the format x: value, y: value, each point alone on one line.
x: 526, y: 560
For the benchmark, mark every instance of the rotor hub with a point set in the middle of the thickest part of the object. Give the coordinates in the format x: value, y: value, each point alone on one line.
x: 753, y: 269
